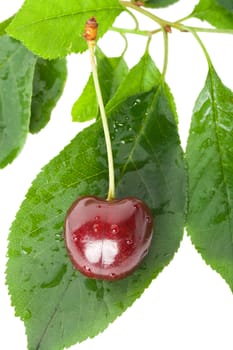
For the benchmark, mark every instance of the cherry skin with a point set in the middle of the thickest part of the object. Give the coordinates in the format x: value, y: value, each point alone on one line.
x: 108, y: 239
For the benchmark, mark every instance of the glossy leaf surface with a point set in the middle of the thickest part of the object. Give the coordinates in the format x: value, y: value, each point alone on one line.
x: 141, y: 78
x: 54, y: 29
x: 16, y: 75
x: 215, y: 13
x: 48, y: 83
x: 149, y: 164
x: 210, y: 166
x: 111, y: 72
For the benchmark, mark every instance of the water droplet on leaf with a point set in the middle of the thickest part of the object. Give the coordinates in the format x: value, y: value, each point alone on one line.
x: 27, y: 315
x: 26, y: 250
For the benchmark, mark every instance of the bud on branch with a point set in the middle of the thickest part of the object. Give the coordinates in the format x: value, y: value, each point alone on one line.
x: 91, y: 29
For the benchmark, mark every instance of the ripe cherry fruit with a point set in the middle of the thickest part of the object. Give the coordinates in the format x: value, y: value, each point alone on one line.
x: 108, y: 239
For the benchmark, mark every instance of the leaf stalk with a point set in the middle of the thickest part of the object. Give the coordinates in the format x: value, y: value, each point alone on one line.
x: 177, y: 24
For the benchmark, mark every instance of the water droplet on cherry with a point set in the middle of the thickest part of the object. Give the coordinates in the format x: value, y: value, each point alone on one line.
x: 115, y: 229
x: 106, y: 231
x: 129, y: 241
x: 75, y: 238
x: 96, y: 228
x: 87, y: 268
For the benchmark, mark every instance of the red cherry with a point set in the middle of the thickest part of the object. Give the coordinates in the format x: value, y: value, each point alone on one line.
x: 108, y: 239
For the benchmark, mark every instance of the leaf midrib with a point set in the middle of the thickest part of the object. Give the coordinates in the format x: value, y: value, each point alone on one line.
x: 58, y: 17
x: 52, y: 316
x: 220, y: 151
x: 140, y: 133
x: 9, y: 58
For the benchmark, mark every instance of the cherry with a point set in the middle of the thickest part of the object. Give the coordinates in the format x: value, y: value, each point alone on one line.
x: 108, y: 239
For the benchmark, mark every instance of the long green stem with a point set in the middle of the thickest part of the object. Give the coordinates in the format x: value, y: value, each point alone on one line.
x: 134, y: 19
x: 126, y: 43
x: 150, y: 15
x: 177, y: 24
x: 184, y: 18
x: 130, y: 31
x: 208, y: 30
x: 165, y: 62
x: 111, y: 190
x: 203, y: 47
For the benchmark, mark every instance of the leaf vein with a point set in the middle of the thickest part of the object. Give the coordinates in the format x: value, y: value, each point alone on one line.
x: 73, y: 14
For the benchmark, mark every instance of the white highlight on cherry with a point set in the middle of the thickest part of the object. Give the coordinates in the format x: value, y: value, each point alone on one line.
x: 104, y: 250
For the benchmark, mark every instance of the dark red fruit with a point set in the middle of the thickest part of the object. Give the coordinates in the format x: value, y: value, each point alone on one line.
x: 108, y: 239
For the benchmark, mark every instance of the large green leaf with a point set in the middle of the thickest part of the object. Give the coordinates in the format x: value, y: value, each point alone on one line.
x: 111, y: 72
x: 210, y: 167
x: 48, y: 83
x: 54, y: 28
x: 212, y: 12
x: 159, y: 3
x: 16, y: 75
x: 149, y: 164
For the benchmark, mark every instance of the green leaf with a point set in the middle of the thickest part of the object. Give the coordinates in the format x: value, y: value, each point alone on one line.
x: 228, y: 4
x: 54, y: 29
x: 211, y: 11
x: 48, y: 84
x: 16, y: 74
x: 86, y: 107
x: 4, y: 25
x: 111, y: 72
x: 149, y: 164
x: 210, y: 167
x: 141, y: 78
x: 159, y: 3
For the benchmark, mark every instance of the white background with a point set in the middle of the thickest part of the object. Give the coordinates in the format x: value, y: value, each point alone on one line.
x: 188, y: 306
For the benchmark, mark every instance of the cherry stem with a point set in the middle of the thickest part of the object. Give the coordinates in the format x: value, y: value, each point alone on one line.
x: 111, y: 190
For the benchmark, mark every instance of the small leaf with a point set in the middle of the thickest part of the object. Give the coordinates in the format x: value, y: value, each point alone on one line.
x: 141, y: 78
x: 4, y: 25
x: 149, y: 164
x: 210, y: 167
x: 54, y: 29
x: 159, y: 3
x: 211, y: 11
x: 86, y: 106
x: 111, y: 72
x: 120, y: 70
x: 16, y: 74
x: 48, y: 83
